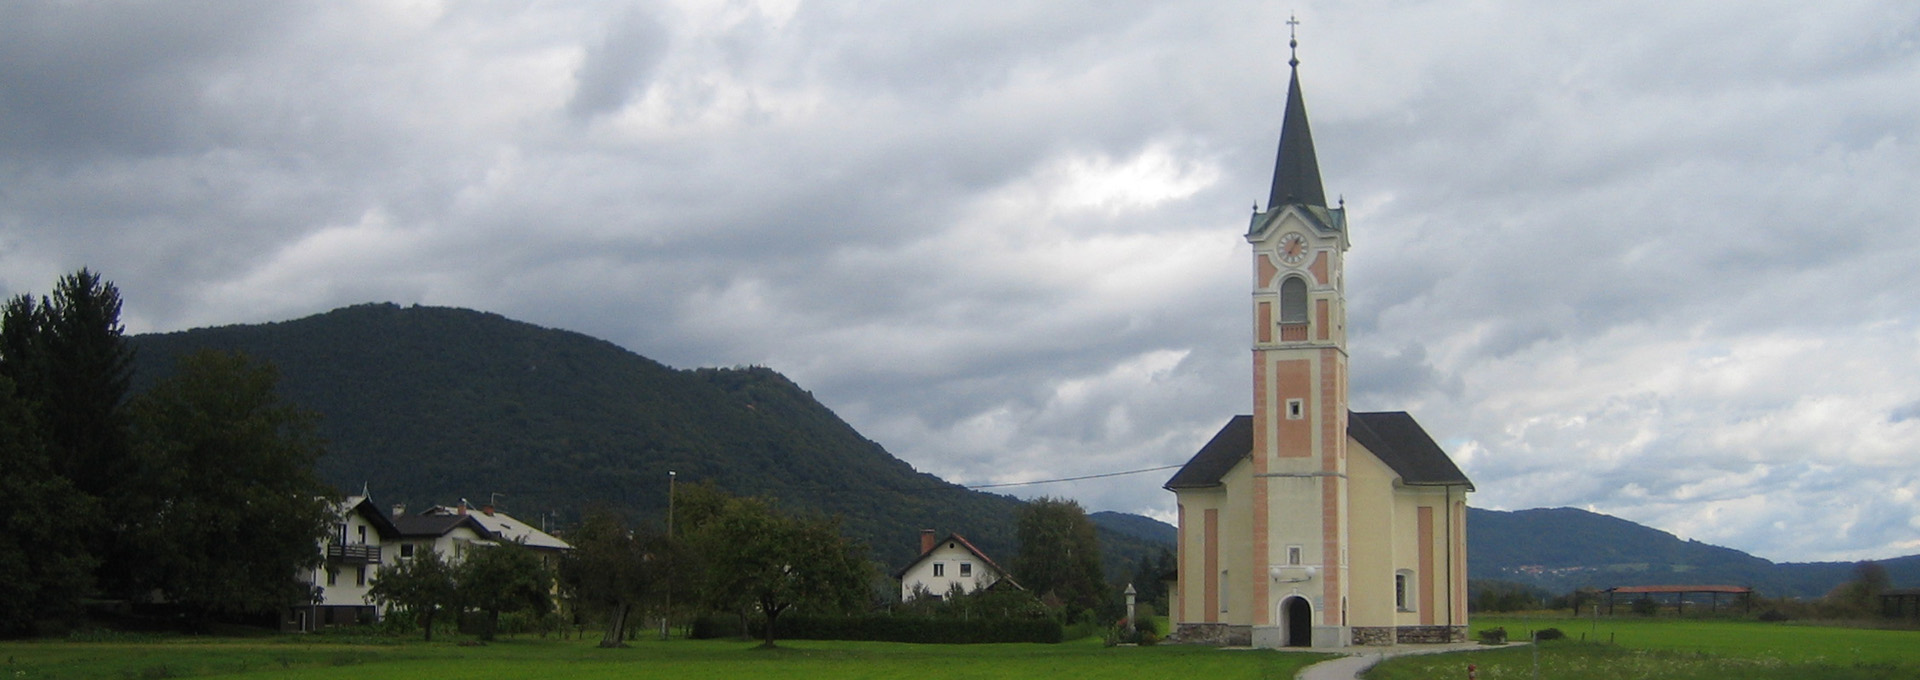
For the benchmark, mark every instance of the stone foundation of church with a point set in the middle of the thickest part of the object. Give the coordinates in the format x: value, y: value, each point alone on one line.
x: 1383, y: 636
x: 1431, y: 635
x: 1372, y: 636
x: 1216, y: 634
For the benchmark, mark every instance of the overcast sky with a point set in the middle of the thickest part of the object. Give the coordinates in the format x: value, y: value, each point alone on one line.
x: 1654, y: 259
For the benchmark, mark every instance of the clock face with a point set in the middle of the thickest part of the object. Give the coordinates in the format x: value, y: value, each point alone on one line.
x: 1293, y: 248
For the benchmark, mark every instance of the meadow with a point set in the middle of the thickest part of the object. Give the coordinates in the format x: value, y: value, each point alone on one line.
x: 319, y: 657
x: 1676, y: 649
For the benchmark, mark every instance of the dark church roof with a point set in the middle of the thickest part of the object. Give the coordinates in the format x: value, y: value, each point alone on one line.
x: 1403, y: 445
x: 1392, y: 436
x: 1232, y: 443
x: 1296, y: 171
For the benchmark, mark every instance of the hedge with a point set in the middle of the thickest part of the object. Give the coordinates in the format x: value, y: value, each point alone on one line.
x: 888, y: 629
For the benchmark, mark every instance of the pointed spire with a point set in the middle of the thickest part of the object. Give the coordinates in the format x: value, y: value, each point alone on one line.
x: 1296, y: 171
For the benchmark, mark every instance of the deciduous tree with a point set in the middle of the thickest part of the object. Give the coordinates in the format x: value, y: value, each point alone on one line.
x: 757, y: 559
x: 420, y: 585
x: 502, y: 578
x: 226, y: 506
x: 617, y: 570
x: 1059, y: 552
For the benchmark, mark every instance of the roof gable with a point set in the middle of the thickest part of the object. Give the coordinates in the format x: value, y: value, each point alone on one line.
x: 363, y: 506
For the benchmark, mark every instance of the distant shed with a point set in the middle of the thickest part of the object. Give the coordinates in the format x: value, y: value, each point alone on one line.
x: 1678, y: 595
x: 1901, y: 603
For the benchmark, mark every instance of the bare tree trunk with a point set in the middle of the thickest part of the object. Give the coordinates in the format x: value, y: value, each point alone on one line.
x: 429, y: 623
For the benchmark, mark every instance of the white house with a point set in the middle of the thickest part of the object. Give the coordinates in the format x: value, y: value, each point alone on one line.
x: 365, y: 540
x: 947, y: 563
x: 353, y: 555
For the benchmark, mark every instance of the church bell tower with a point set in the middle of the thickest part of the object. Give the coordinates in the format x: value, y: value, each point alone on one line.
x: 1300, y: 527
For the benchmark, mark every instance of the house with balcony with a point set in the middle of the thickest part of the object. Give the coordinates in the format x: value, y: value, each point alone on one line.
x: 351, y: 558
x: 365, y: 540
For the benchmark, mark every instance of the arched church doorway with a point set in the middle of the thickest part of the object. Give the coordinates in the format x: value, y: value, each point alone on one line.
x: 1296, y: 617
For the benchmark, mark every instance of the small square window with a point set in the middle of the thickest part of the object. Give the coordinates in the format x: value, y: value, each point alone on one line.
x: 939, y: 569
x: 966, y: 568
x: 1293, y: 555
x: 1296, y: 409
x: 406, y: 550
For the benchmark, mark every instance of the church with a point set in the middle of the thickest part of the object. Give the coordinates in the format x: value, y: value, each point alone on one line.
x: 1306, y: 524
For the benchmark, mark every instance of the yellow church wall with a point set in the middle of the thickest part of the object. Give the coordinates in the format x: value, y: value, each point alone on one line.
x: 1200, y: 512
x: 1236, y: 548
x: 1374, y: 514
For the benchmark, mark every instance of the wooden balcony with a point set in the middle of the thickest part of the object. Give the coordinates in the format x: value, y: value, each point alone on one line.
x: 356, y: 553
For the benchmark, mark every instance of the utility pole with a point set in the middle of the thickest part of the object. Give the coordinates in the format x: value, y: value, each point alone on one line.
x: 666, y: 617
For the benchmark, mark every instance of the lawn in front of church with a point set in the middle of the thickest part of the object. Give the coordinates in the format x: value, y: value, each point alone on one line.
x: 1676, y: 649
x: 358, y: 658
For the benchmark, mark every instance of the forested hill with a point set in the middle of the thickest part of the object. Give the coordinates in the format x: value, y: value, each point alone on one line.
x: 430, y: 405
x: 1560, y: 549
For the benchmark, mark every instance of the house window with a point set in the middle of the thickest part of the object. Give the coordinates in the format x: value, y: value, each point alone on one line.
x: 1403, y: 590
x: 363, y: 535
x: 333, y: 575
x: 360, y: 576
x: 1296, y: 409
x: 939, y: 569
x: 966, y: 569
x: 1223, y: 591
x: 340, y: 534
x: 1293, y: 555
x: 406, y: 550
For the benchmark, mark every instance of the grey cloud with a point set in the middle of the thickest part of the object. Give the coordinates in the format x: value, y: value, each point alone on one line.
x: 621, y: 65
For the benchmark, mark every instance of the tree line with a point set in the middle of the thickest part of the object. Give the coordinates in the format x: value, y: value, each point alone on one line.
x: 198, y: 493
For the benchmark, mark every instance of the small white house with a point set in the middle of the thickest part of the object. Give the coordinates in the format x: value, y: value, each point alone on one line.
x: 946, y: 563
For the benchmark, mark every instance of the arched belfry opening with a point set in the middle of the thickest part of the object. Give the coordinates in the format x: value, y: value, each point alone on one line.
x: 1296, y: 622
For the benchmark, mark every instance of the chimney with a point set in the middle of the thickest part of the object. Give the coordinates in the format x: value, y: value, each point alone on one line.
x: 399, y: 509
x: 488, y: 509
x: 463, y: 507
x: 926, y: 541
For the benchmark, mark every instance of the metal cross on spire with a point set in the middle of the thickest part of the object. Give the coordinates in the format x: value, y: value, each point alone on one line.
x: 1293, y: 41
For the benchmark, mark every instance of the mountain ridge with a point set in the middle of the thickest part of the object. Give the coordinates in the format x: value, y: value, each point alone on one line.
x: 433, y: 404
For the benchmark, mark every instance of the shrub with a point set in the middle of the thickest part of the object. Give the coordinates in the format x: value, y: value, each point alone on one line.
x: 890, y: 629
x: 1493, y: 636
x: 1773, y: 615
x: 1548, y: 634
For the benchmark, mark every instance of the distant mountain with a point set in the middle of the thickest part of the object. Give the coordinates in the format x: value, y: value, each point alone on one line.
x: 424, y: 405
x: 1561, y: 549
x: 1144, y: 528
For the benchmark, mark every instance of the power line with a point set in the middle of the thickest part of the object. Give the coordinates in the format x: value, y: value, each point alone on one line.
x: 1073, y: 479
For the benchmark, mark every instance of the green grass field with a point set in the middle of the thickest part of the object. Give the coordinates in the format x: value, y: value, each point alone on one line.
x: 1667, y: 649
x: 1677, y: 649
x: 302, y: 657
